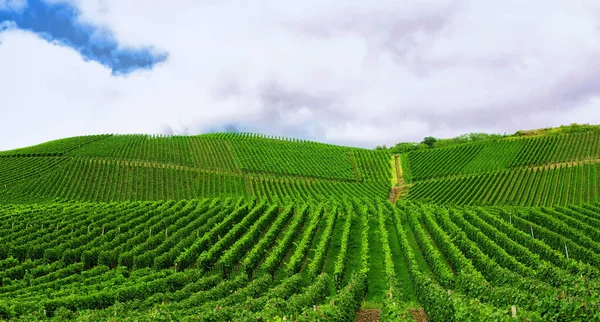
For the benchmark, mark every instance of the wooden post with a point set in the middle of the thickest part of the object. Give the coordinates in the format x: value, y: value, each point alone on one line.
x: 531, y: 231
x: 566, y: 250
x: 513, y: 311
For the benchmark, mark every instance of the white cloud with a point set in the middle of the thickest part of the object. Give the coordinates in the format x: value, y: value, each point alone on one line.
x: 7, y: 24
x: 13, y: 5
x: 46, y: 90
x: 355, y: 73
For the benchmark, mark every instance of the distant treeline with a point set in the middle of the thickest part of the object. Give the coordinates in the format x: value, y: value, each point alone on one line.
x: 430, y: 142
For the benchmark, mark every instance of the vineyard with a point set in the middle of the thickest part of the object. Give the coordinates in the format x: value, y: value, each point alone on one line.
x: 185, y: 259
x: 141, y: 167
x: 501, y: 155
x: 538, y: 171
x: 539, y: 186
x: 247, y: 227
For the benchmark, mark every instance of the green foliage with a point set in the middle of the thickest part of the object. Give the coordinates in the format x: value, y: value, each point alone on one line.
x: 111, y: 228
x: 429, y: 141
x: 494, y: 157
x: 563, y: 129
x: 53, y: 148
x: 405, y: 147
x: 297, y: 259
x: 433, y: 163
x: 290, y: 158
x: 523, y: 187
x: 468, y: 138
x: 197, y: 151
x: 260, y: 247
x: 316, y: 265
x: 16, y: 170
x: 142, y: 167
x: 478, y: 253
x: 490, y: 156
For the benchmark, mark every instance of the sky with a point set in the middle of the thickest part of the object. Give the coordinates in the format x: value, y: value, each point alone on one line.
x: 359, y: 73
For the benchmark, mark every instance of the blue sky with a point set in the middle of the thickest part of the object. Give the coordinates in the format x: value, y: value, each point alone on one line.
x: 359, y: 73
x: 59, y: 22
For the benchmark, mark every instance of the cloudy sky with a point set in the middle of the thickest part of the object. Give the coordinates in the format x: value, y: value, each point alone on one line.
x: 359, y: 73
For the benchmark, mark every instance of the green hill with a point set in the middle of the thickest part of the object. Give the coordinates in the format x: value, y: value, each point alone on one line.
x: 247, y: 227
x: 140, y: 167
x: 538, y: 171
x: 53, y: 148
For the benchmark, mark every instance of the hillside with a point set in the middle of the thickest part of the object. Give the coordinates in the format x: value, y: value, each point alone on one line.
x: 140, y: 167
x: 246, y: 227
x: 529, y: 171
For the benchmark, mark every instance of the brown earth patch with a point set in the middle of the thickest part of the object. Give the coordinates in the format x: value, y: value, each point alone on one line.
x: 398, y: 192
x: 419, y: 315
x: 368, y: 315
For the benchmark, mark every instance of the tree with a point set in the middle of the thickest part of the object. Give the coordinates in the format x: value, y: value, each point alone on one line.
x: 405, y: 147
x: 429, y: 141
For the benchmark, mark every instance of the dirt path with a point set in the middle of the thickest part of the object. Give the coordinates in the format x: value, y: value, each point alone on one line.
x: 399, y: 176
x: 565, y: 164
x: 368, y: 315
x: 394, y: 194
x: 550, y: 166
x: 373, y: 315
x: 400, y: 189
x: 268, y: 175
x: 148, y: 164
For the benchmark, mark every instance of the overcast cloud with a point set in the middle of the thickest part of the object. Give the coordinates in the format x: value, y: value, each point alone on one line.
x: 355, y: 73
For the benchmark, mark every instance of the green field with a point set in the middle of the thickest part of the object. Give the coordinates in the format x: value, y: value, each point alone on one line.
x: 247, y: 227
